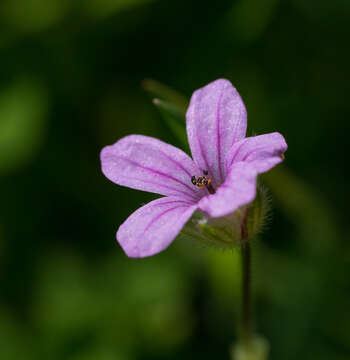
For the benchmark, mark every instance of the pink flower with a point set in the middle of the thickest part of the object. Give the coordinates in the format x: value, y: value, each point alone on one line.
x: 221, y: 177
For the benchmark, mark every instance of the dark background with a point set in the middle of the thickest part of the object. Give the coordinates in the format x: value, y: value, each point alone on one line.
x: 70, y: 83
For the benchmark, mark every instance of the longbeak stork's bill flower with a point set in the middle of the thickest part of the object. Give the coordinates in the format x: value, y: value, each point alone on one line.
x: 221, y: 178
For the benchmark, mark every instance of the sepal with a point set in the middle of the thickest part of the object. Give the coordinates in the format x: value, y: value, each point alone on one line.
x: 229, y: 231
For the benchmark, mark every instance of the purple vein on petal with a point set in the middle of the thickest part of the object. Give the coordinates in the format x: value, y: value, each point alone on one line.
x: 173, y: 202
x: 153, y: 220
x: 197, y: 121
x: 191, y: 195
x: 218, y: 137
x: 156, y: 172
x: 177, y: 163
x: 246, y: 156
x: 235, y: 154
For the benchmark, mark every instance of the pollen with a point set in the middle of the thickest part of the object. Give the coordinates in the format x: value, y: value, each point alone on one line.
x: 201, y: 180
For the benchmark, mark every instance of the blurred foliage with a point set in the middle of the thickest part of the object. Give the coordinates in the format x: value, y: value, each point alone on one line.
x: 23, y: 110
x: 77, y: 75
x: 103, y: 8
x: 247, y: 23
x: 33, y: 15
x: 174, y: 117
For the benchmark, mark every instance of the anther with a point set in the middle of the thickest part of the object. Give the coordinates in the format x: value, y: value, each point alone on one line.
x: 203, y: 180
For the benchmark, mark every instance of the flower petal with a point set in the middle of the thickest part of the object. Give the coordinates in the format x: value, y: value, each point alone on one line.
x: 262, y: 152
x: 144, y: 163
x: 151, y: 228
x: 238, y: 189
x: 216, y: 119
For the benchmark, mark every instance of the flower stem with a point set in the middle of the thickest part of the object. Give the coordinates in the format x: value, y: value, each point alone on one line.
x: 246, y: 326
x: 246, y: 294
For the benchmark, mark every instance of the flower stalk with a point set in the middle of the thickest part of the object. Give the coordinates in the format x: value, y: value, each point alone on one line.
x: 246, y: 294
x: 250, y: 346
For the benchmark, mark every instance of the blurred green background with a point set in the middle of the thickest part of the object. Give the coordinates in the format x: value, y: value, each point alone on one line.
x: 70, y: 83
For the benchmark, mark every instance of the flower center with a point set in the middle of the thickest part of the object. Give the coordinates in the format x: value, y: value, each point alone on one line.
x: 203, y: 181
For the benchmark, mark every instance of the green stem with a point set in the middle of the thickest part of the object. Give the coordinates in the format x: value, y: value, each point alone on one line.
x: 246, y: 326
x: 246, y: 294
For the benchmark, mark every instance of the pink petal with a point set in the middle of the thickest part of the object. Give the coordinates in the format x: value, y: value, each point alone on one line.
x: 148, y: 164
x: 216, y: 118
x: 151, y: 228
x: 238, y: 189
x: 262, y: 152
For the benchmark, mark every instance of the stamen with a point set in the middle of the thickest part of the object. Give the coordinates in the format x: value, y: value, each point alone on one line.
x: 210, y: 188
x: 203, y: 180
